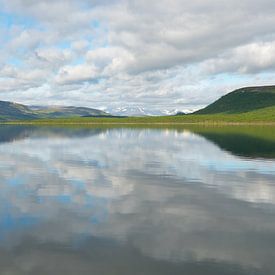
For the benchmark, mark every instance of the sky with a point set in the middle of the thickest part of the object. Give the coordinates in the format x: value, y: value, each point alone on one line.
x: 165, y: 54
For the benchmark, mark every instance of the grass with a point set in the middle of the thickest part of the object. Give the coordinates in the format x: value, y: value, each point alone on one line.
x: 260, y: 116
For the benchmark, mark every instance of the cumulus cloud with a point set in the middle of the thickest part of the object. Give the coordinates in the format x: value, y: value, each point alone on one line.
x: 129, y: 42
x: 250, y: 58
x: 53, y: 56
x: 74, y: 74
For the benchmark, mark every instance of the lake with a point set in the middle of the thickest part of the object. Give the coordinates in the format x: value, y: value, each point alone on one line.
x: 128, y: 201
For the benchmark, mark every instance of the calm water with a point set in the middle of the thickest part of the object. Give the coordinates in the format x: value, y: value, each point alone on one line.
x: 125, y: 201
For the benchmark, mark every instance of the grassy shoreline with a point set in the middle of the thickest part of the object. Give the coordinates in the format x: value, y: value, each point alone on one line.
x: 265, y: 116
x: 214, y: 123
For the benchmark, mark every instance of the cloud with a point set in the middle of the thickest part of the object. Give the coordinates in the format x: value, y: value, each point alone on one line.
x: 129, y: 42
x: 111, y: 60
x: 246, y: 59
x: 12, y: 78
x: 80, y: 45
x: 75, y: 74
x: 53, y: 56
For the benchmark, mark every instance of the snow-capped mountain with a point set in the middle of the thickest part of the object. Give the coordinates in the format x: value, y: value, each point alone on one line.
x: 141, y: 111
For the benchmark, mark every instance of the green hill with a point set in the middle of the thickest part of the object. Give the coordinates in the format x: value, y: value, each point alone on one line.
x: 14, y: 111
x: 66, y: 111
x: 242, y: 101
x: 10, y: 110
x: 247, y: 105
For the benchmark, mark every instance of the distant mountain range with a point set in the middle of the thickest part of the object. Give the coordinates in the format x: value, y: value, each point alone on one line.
x: 239, y: 101
x: 140, y: 111
x: 14, y: 111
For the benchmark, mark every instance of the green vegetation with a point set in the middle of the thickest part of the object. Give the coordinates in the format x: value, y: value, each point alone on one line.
x: 70, y: 111
x: 254, y: 105
x: 261, y: 116
x: 242, y: 100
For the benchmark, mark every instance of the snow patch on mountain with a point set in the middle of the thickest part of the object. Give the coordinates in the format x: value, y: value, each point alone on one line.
x: 141, y: 111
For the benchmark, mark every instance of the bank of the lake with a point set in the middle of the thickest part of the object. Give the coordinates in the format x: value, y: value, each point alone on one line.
x: 264, y: 116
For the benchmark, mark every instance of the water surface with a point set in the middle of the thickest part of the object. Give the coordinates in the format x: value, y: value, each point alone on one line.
x: 137, y: 201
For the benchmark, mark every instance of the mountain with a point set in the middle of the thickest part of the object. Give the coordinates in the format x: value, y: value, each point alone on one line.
x: 242, y: 100
x: 129, y: 111
x: 14, y: 111
x: 141, y: 111
x: 10, y: 110
x: 66, y: 111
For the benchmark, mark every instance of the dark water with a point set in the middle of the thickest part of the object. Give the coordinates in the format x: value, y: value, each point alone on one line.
x: 137, y: 201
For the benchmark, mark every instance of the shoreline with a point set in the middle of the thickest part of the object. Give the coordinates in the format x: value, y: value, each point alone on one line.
x: 140, y: 123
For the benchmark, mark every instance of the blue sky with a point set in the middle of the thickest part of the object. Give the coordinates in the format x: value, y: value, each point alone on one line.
x: 159, y: 55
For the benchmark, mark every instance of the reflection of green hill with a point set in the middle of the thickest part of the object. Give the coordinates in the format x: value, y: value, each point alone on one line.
x: 243, y: 145
x: 12, y: 133
x: 242, y: 141
x: 248, y: 142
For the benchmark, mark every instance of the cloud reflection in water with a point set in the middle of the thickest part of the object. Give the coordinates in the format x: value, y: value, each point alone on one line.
x: 164, y: 200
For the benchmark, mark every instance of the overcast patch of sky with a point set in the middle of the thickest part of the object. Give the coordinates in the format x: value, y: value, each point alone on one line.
x: 153, y: 54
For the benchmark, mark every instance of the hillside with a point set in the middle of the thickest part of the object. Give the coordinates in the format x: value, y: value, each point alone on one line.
x: 242, y: 101
x: 260, y: 116
x: 253, y: 105
x: 9, y: 110
x: 14, y: 111
x: 65, y: 111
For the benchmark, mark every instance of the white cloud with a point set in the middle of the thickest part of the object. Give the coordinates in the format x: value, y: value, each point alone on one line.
x: 80, y: 45
x: 250, y: 58
x: 75, y: 74
x: 111, y: 60
x: 143, y: 51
